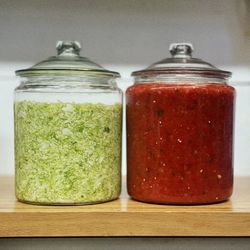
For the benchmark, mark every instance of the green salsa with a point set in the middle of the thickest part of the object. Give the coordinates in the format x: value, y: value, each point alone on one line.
x: 67, y: 153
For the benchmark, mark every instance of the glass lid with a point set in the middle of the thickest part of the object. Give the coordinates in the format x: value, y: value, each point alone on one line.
x: 182, y: 62
x: 68, y: 60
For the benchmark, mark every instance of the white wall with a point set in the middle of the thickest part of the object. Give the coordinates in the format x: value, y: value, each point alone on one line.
x: 125, y: 36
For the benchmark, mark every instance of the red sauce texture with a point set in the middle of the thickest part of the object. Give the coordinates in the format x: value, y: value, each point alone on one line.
x: 180, y: 142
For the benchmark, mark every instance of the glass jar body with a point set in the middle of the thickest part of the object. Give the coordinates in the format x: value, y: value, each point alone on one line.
x: 180, y: 141
x: 67, y: 141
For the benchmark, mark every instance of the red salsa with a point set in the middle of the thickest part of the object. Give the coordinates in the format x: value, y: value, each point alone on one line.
x: 179, y: 142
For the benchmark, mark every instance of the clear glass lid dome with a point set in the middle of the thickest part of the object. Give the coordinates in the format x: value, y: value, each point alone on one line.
x: 182, y: 62
x: 67, y: 60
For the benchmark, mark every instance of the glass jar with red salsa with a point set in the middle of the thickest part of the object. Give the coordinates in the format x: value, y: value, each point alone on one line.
x: 180, y: 115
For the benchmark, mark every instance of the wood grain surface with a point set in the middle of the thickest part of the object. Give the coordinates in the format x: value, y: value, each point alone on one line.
x: 125, y: 217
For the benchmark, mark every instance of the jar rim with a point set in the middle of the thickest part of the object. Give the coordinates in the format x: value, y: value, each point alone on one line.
x: 182, y: 71
x: 87, y: 72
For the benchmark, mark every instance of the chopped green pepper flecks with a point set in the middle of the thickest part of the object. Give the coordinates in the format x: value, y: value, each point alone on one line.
x: 67, y: 152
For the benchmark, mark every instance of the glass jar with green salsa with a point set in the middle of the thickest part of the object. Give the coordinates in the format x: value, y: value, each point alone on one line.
x: 68, y: 114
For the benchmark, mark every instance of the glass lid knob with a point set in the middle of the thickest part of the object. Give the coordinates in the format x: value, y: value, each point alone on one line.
x: 181, y: 50
x: 68, y: 48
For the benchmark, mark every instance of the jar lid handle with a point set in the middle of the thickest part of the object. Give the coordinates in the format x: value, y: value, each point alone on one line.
x: 69, y: 48
x: 181, y: 50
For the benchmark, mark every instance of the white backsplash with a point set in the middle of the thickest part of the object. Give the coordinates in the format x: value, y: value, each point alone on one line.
x: 242, y: 127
